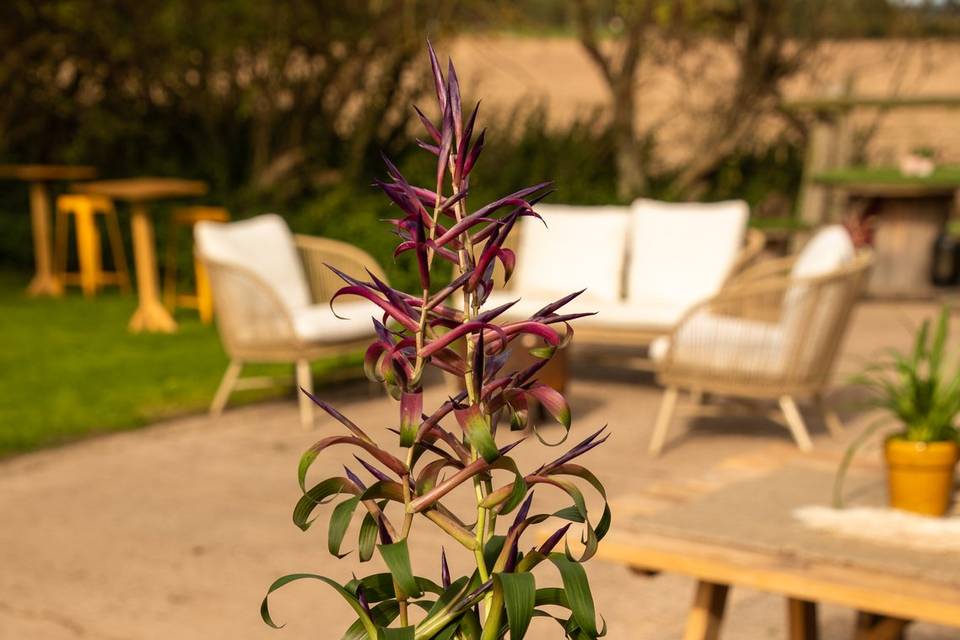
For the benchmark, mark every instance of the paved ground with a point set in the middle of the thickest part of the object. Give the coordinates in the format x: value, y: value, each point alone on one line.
x: 176, y: 530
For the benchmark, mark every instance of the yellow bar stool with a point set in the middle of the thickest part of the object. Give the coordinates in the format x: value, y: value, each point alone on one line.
x: 84, y: 209
x: 201, y: 299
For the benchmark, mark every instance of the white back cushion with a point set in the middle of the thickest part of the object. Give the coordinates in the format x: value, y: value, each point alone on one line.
x: 683, y: 252
x: 581, y: 247
x: 263, y: 245
x: 813, y: 316
x: 829, y: 249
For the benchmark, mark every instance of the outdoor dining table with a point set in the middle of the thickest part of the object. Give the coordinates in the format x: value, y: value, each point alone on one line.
x: 150, y: 315
x: 745, y: 535
x: 38, y: 176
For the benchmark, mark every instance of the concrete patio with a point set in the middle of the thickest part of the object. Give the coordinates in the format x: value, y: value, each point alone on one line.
x: 175, y: 531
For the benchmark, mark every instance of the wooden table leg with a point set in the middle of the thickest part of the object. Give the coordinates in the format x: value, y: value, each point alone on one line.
x: 871, y: 626
x: 802, y: 620
x: 43, y: 282
x: 706, y: 614
x: 150, y: 315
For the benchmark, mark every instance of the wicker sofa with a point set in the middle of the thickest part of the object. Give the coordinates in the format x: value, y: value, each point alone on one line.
x: 643, y: 266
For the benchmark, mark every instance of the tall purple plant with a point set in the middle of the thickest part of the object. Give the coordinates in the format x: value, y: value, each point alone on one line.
x: 417, y: 331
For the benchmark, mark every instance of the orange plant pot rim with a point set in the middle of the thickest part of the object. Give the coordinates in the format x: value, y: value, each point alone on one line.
x: 905, y: 452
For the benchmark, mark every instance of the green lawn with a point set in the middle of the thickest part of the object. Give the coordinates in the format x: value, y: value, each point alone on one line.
x: 69, y: 368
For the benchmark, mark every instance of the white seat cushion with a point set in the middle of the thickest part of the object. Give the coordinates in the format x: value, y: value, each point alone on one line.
x: 580, y: 248
x: 316, y: 323
x: 681, y: 253
x: 263, y: 245
x: 617, y: 315
x: 725, y: 344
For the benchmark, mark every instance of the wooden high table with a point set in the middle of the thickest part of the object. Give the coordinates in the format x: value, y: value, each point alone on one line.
x: 745, y: 536
x: 150, y: 315
x: 38, y: 176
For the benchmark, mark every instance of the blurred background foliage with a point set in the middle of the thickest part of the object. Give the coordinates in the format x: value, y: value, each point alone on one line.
x: 286, y: 105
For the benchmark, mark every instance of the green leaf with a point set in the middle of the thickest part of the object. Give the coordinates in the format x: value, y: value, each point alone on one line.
x: 577, y: 588
x: 519, y: 597
x: 403, y: 633
x: 379, y: 586
x: 411, y: 410
x: 368, y: 537
x: 552, y: 595
x: 492, y: 550
x: 470, y: 626
x: 492, y: 623
x: 457, y: 589
x: 367, y: 623
x: 317, y: 495
x: 385, y: 458
x: 397, y: 557
x: 508, y: 501
x: 387, y: 489
x: 476, y: 426
x: 382, y: 615
x: 339, y: 522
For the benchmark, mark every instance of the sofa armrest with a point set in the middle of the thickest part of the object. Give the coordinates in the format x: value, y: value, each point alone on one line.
x: 316, y: 253
x: 250, y: 314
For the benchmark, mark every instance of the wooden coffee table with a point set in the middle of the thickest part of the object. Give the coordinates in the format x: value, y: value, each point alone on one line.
x: 744, y: 536
x: 38, y: 176
x: 150, y: 315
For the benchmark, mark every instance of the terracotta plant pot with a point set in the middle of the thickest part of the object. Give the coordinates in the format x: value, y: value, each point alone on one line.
x: 920, y: 475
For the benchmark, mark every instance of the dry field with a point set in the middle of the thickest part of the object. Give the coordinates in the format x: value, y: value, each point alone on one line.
x: 510, y: 70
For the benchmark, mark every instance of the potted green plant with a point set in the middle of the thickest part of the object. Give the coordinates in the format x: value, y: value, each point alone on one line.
x: 920, y: 393
x: 465, y: 443
x: 921, y: 162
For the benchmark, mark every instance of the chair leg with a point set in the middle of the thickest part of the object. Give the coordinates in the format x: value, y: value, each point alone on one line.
x: 118, y: 252
x: 204, y: 295
x: 664, y: 415
x: 305, y: 381
x: 227, y: 384
x: 60, y: 233
x: 795, y: 421
x: 170, y: 269
x: 87, y: 247
x: 830, y: 418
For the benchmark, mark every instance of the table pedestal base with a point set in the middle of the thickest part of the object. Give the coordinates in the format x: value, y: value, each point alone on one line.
x: 44, y: 283
x: 152, y: 316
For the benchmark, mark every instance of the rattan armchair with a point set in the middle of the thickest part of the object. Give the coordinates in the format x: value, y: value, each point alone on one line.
x: 271, y: 291
x: 770, y: 334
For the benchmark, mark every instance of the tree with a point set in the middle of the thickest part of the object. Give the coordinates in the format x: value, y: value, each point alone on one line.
x: 769, y: 39
x: 619, y: 71
x: 243, y: 93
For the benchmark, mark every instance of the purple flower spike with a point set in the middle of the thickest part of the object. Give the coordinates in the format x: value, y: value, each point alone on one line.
x: 376, y: 473
x: 553, y: 540
x: 354, y: 479
x: 444, y: 569
x: 384, y: 534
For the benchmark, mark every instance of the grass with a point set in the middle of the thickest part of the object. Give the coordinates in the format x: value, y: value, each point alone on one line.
x: 69, y: 368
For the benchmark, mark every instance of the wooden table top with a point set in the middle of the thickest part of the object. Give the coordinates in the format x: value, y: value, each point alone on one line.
x: 745, y: 535
x: 810, y: 580
x: 47, y: 172
x: 143, y: 189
